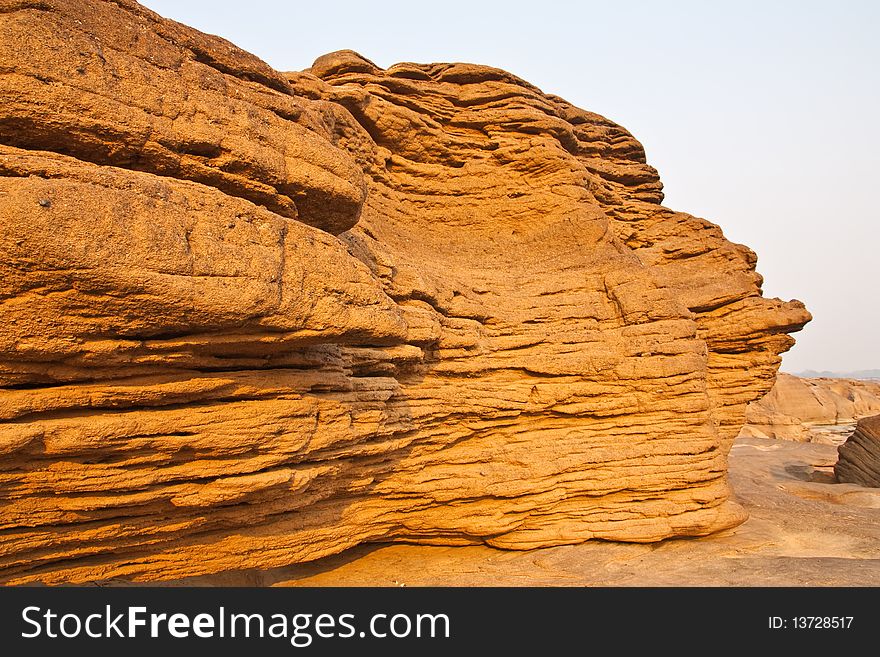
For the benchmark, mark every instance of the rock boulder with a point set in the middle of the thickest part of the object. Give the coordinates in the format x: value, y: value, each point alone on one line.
x: 859, y: 457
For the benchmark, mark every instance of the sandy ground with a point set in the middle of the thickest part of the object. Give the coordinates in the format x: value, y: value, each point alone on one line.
x: 803, y: 530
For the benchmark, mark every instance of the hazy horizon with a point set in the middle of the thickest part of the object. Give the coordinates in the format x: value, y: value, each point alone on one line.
x: 762, y: 119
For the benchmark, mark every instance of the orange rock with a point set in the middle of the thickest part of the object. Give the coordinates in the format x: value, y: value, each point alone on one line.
x: 250, y: 318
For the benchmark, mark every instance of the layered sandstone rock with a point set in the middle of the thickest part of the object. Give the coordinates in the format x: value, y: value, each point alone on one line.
x: 811, y: 410
x: 249, y: 318
x: 804, y: 529
x: 859, y: 457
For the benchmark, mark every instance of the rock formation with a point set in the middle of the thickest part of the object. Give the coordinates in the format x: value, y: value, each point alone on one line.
x: 859, y: 457
x: 811, y: 410
x: 804, y: 529
x: 250, y: 318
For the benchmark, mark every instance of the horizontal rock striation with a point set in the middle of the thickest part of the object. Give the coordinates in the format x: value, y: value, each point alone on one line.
x: 250, y: 318
x: 859, y: 457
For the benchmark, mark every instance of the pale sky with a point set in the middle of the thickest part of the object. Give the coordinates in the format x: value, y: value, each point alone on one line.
x: 763, y: 117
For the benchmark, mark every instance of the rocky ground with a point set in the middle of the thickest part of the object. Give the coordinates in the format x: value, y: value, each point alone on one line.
x: 802, y: 530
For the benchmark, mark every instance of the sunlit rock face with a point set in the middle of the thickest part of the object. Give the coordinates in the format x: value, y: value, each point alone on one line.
x: 251, y: 318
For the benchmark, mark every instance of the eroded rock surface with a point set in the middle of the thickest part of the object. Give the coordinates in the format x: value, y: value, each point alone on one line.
x: 803, y: 530
x: 859, y: 457
x: 249, y: 318
x: 812, y: 410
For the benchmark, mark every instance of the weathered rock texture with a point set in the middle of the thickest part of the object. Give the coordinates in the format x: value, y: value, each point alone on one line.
x: 859, y: 457
x: 803, y: 530
x: 811, y: 410
x: 250, y: 318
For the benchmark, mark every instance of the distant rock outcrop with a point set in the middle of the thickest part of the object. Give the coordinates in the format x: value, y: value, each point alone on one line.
x: 811, y: 410
x: 827, y: 374
x: 250, y: 318
x: 859, y: 457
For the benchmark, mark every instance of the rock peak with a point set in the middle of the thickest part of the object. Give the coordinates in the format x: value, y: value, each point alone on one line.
x: 340, y: 62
